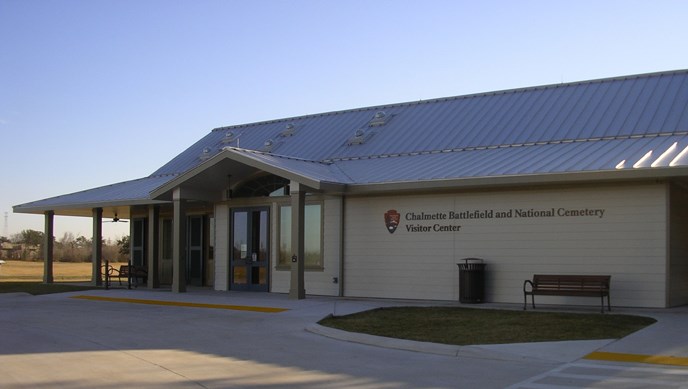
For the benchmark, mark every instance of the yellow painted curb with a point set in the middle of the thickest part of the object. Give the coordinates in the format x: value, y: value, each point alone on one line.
x: 182, y: 304
x: 638, y: 358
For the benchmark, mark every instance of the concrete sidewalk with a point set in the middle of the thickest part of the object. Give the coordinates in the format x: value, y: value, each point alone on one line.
x: 156, y: 339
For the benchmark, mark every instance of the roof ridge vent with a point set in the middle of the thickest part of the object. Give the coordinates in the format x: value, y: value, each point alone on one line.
x: 270, y: 145
x: 360, y: 137
x: 229, y: 137
x: 288, y: 131
x: 206, y: 154
x: 379, y: 119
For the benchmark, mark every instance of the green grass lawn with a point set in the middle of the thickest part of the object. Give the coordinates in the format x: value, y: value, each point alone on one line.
x: 465, y: 326
x: 36, y: 288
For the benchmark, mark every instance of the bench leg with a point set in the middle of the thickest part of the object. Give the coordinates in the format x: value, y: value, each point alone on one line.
x: 532, y: 300
x: 525, y: 300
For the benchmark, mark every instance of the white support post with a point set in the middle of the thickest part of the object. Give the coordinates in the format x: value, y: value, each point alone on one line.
x: 97, y: 247
x: 153, y: 246
x: 48, y: 247
x: 297, y: 289
x: 179, y: 243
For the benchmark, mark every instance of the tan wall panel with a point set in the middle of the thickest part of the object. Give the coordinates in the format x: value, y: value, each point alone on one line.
x: 628, y: 242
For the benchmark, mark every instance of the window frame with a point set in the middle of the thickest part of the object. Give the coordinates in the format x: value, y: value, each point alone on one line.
x: 279, y: 266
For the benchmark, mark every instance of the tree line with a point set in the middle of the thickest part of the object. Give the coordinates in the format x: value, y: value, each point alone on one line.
x: 28, y: 245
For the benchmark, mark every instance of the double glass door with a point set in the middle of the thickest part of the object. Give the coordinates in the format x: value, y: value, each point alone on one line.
x: 250, y: 249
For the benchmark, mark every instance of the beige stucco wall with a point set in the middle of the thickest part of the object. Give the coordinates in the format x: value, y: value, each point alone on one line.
x: 627, y: 241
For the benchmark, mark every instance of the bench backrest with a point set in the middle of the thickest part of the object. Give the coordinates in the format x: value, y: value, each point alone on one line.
x: 137, y: 271
x: 124, y: 270
x: 570, y: 282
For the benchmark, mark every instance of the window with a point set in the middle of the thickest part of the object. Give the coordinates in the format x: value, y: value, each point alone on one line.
x: 312, y: 236
x: 167, y: 239
x: 268, y: 185
x: 138, y: 242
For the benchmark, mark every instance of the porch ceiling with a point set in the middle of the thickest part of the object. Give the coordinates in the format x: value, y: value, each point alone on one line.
x: 207, y: 182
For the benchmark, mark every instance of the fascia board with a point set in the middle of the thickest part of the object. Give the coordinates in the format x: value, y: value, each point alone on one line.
x: 79, y: 209
x: 517, y: 180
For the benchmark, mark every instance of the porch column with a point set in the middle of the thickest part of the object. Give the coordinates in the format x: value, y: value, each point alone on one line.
x: 48, y: 248
x: 97, y: 247
x: 153, y: 246
x: 179, y: 243
x: 298, y: 199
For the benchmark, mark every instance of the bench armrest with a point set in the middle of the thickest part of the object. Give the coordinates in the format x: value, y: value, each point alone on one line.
x: 111, y: 271
x: 526, y: 282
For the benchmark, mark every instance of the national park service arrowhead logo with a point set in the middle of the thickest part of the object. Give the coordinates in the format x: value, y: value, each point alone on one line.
x: 392, y: 218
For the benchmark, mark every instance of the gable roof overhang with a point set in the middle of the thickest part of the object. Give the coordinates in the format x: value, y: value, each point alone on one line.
x: 207, y: 181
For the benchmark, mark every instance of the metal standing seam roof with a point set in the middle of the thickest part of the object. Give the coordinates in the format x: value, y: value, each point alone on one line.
x: 564, y: 128
x: 609, y: 108
x: 125, y: 193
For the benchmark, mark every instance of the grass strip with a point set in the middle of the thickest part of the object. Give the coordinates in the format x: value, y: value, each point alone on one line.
x: 37, y: 288
x: 466, y: 326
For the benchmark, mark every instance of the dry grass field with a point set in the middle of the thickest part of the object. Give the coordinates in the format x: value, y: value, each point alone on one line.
x: 33, y: 271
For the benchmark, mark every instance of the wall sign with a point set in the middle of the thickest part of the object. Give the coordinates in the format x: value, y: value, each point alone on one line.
x: 443, y: 220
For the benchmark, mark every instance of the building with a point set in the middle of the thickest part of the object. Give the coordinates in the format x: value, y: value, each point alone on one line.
x: 583, y: 178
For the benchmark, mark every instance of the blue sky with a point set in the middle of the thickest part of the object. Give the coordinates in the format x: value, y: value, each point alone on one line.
x: 94, y: 92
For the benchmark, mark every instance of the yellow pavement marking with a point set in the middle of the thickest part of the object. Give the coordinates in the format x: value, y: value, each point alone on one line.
x: 182, y: 304
x: 638, y: 358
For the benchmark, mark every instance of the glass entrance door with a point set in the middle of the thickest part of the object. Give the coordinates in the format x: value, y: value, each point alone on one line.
x: 250, y: 249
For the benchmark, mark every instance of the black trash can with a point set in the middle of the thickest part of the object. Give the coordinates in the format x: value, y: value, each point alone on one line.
x: 471, y: 281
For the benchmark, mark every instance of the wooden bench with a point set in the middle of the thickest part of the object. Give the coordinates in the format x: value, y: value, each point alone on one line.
x: 126, y: 272
x: 112, y: 272
x: 567, y: 285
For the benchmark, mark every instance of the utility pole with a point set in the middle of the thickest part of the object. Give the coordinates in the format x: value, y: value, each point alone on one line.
x: 5, y: 230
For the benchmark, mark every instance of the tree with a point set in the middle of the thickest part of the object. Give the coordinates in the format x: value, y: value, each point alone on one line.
x: 123, y: 245
x: 83, y: 242
x: 67, y: 240
x: 4, y: 239
x: 30, y: 237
